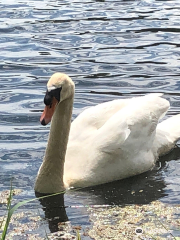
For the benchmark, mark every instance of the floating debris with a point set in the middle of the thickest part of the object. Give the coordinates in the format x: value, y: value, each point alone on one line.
x: 4, y: 195
x: 19, y: 230
x: 145, y: 222
x: 151, y: 221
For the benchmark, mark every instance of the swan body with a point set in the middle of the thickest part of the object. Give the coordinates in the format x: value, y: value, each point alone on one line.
x: 107, y: 142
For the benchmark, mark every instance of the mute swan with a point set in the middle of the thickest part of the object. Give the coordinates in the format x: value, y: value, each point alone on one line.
x: 107, y: 142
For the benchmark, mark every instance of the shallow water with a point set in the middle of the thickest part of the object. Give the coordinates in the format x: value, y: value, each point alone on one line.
x: 111, y: 49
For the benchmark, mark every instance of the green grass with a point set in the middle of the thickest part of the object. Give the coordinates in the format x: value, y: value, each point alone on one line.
x: 3, y: 236
x: 11, y: 210
x: 78, y: 237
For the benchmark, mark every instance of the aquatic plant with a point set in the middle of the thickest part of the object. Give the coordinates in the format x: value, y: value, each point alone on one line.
x: 11, y: 210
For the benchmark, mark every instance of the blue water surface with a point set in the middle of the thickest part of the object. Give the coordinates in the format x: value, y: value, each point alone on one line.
x: 111, y: 49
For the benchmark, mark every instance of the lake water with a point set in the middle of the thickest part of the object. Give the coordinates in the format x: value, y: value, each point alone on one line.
x: 111, y: 49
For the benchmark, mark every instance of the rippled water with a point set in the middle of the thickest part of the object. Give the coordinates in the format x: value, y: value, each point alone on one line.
x: 111, y: 49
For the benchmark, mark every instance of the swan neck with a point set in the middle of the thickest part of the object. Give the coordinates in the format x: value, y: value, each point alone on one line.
x: 50, y: 176
x: 59, y: 132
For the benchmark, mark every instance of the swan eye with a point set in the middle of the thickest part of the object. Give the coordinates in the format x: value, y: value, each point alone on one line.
x: 49, y: 96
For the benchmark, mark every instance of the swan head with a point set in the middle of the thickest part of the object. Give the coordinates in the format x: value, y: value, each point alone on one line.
x: 59, y: 88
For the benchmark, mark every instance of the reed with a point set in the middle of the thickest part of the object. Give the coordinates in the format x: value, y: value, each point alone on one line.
x: 11, y: 210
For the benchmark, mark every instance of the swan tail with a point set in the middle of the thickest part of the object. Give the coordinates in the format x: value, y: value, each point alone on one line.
x: 167, y: 134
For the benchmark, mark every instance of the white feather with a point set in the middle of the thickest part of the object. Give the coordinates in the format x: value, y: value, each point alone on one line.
x: 114, y: 140
x: 51, y: 88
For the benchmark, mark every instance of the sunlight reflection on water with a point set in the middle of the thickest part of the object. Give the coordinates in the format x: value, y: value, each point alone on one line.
x: 111, y: 49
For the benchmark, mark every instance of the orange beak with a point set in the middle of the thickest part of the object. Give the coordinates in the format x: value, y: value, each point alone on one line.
x: 48, y: 112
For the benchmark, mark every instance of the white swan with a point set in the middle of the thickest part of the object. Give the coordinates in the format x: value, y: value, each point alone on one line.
x: 111, y: 141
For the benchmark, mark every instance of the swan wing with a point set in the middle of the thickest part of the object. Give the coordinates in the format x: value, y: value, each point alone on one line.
x: 93, y: 118
x: 121, y: 147
x: 133, y: 127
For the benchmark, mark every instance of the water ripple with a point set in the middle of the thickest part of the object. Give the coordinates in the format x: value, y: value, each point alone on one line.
x: 111, y: 49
